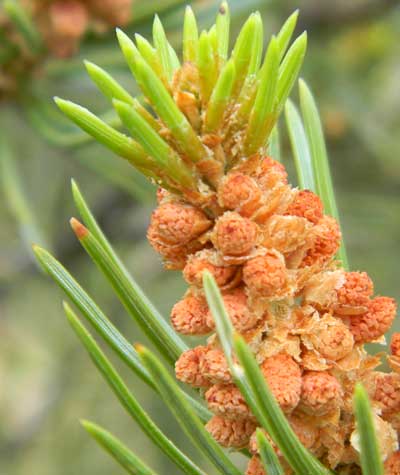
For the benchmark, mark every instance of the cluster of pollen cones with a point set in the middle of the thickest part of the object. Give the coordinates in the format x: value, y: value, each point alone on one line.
x: 61, y: 25
x: 64, y: 22
x: 271, y: 250
x: 225, y: 206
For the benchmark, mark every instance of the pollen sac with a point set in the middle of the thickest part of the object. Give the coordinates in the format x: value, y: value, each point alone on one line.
x: 327, y: 237
x: 321, y: 393
x: 201, y: 261
x: 173, y: 232
x: 283, y: 376
x: 214, y: 367
x: 68, y: 18
x: 306, y: 204
x: 175, y: 257
x: 354, y: 293
x: 303, y: 426
x: 239, y: 192
x: 187, y: 367
x: 67, y: 23
x: 395, y: 344
x: 189, y: 316
x: 226, y: 400
x: 332, y: 338
x: 287, y: 234
x: 238, y: 310
x: 265, y: 275
x: 305, y: 429
x: 229, y: 432
x: 112, y: 12
x: 63, y: 23
x: 392, y: 464
x: 343, y: 293
x: 235, y: 236
x: 387, y: 392
x: 270, y: 173
x: 375, y: 322
x: 175, y: 223
x: 255, y: 466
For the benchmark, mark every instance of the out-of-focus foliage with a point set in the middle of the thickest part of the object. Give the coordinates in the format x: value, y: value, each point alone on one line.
x: 46, y: 381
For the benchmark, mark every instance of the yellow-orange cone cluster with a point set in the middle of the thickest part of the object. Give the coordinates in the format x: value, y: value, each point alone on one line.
x: 64, y: 22
x: 272, y: 252
x: 61, y: 26
x: 227, y: 207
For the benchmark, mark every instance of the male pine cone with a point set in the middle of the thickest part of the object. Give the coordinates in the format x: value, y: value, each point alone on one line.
x: 304, y: 317
x: 271, y: 250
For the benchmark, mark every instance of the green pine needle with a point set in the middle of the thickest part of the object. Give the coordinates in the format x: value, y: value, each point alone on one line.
x: 119, y: 143
x: 272, y: 418
x: 316, y: 140
x: 102, y: 324
x: 274, y: 146
x: 225, y: 332
x: 127, y: 459
x: 212, y: 35
x: 243, y: 51
x: 132, y: 297
x: 250, y: 381
x: 268, y: 455
x: 190, y: 37
x: 174, y: 58
x: 207, y: 66
x: 166, y: 159
x: 16, y: 197
x: 92, y: 313
x: 154, y: 89
x: 222, y: 32
x: 127, y: 400
x: 149, y: 118
x: 184, y: 414
x: 300, y: 148
x: 150, y: 55
x: 371, y: 459
x: 107, y: 84
x: 91, y: 223
x: 285, y: 34
x: 113, y: 90
x: 161, y: 45
x: 223, y: 323
x: 129, y: 50
x: 220, y: 98
x: 290, y: 69
x: 257, y: 47
x: 319, y: 156
x: 263, y: 117
x: 24, y: 24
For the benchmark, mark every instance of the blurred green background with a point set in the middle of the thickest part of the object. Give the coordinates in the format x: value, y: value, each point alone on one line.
x: 47, y: 382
